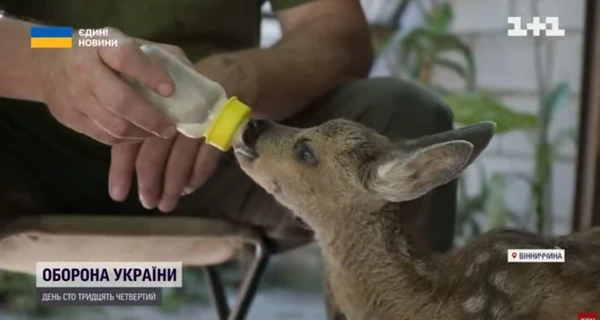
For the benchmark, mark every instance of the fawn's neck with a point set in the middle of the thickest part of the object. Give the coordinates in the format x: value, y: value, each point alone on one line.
x: 381, y: 253
x: 393, y: 232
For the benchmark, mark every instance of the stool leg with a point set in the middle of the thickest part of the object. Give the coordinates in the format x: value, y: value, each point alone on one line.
x: 217, y: 292
x: 250, y: 283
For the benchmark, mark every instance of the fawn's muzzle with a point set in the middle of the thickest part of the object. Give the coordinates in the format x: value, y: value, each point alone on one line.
x: 253, y: 130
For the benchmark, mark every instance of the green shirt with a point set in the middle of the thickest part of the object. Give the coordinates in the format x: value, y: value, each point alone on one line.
x: 199, y: 27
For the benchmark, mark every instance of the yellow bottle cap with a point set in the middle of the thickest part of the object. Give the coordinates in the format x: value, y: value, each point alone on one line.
x: 228, y: 120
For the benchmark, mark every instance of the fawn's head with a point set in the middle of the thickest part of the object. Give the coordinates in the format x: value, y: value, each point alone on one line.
x: 347, y: 165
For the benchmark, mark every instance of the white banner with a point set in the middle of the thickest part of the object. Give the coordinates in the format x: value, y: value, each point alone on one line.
x: 109, y: 274
x: 536, y: 255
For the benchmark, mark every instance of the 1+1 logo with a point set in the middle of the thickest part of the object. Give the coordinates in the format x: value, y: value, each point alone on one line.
x: 550, y: 27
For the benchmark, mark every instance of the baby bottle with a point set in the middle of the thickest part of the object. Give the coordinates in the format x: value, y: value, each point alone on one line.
x: 199, y: 106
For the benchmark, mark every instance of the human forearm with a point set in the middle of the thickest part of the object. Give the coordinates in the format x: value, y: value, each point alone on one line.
x: 18, y: 62
x: 279, y: 82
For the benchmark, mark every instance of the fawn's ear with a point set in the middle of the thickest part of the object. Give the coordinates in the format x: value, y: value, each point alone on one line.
x: 418, y: 166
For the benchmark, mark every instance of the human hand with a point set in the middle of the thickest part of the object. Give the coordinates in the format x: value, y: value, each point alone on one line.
x: 84, y: 90
x: 166, y: 169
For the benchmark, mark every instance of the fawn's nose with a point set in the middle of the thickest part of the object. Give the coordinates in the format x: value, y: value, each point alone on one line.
x: 253, y: 130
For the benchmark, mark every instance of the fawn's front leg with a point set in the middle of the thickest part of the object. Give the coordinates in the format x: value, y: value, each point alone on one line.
x: 332, y: 310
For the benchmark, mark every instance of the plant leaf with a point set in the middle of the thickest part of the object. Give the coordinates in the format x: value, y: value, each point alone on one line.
x: 428, y: 43
x: 411, y: 52
x: 520, y: 176
x: 441, y: 18
x: 476, y: 229
x: 471, y: 108
x: 450, y: 42
x: 514, y: 217
x: 422, y: 10
x: 494, y: 204
x: 483, y: 184
x: 557, y: 97
x: 439, y: 90
x: 564, y: 136
x: 453, y: 66
x: 434, y: 38
x: 414, y: 40
x: 381, y: 38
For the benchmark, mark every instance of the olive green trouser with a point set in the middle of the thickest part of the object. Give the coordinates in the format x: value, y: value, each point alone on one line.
x: 62, y: 171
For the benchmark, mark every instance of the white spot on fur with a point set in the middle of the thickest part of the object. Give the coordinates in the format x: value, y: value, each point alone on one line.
x: 383, y: 170
x: 421, y: 268
x: 500, y: 281
x: 482, y: 258
x: 475, y: 303
x: 498, y: 310
x: 470, y: 270
x: 403, y: 249
x: 501, y: 247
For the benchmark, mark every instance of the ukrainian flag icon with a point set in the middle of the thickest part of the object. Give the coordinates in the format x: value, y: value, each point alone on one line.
x: 51, y: 37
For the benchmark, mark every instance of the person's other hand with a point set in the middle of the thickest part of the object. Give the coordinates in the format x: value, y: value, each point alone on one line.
x: 84, y: 90
x: 166, y: 169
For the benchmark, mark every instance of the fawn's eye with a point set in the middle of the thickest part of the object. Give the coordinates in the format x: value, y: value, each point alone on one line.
x: 305, y: 154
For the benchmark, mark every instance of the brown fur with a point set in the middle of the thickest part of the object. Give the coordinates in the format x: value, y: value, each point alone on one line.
x: 362, y: 193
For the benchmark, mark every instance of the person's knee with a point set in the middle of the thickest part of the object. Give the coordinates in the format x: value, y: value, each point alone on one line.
x: 399, y: 108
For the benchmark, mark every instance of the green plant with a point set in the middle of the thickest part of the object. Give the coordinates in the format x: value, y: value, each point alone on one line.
x: 18, y: 294
x: 433, y: 45
x: 488, y: 203
x: 545, y: 152
x: 474, y: 107
x: 194, y: 290
x: 426, y: 47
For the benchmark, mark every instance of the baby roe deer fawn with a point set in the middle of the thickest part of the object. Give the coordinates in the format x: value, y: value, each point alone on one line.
x: 360, y: 193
